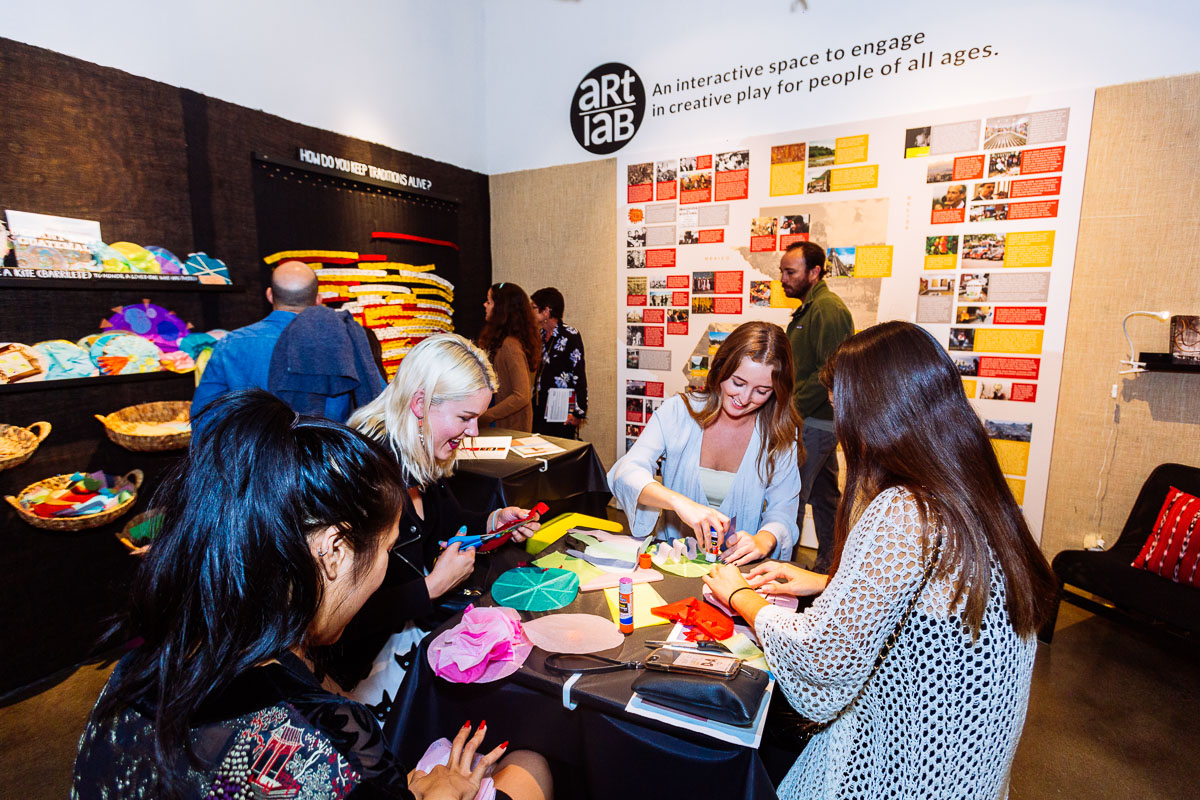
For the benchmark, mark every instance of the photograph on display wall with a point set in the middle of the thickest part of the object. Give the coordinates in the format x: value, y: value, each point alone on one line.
x: 635, y: 237
x: 635, y: 259
x: 839, y: 262
x: 982, y: 249
x: 973, y: 286
x: 986, y: 191
x: 1006, y: 163
x: 941, y: 245
x: 962, y: 339
x: 1004, y: 132
x: 916, y: 141
x: 940, y: 171
x: 664, y: 171
x: 998, y: 212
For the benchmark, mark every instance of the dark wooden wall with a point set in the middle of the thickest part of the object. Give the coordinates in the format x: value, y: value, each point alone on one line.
x: 154, y: 164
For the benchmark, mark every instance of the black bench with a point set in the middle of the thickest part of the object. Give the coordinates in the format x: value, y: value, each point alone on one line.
x: 1127, y: 592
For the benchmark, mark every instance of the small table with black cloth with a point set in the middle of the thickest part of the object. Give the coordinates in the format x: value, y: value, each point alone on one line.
x: 571, y: 481
x: 607, y: 752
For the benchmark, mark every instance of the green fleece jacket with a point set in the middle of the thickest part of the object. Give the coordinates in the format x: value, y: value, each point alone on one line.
x: 818, y: 326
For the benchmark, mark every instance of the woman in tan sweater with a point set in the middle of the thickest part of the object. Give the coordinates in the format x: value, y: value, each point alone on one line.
x: 511, y: 339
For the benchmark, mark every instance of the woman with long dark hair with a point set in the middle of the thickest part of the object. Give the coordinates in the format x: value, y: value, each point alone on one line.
x: 729, y: 455
x: 275, y: 530
x: 919, y: 652
x: 512, y: 341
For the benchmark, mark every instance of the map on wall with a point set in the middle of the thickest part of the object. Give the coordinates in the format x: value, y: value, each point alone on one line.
x: 961, y: 220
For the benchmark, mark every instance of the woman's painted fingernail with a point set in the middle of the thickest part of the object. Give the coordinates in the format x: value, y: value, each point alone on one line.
x: 483, y: 725
x: 503, y: 746
x: 467, y: 724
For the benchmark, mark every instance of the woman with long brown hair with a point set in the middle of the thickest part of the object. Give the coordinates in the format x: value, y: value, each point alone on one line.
x: 511, y: 339
x: 918, y: 653
x: 729, y: 455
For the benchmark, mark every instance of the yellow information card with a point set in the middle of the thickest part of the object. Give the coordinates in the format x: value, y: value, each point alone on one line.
x: 873, y: 261
x: 1029, y: 249
x: 850, y: 149
x: 841, y: 180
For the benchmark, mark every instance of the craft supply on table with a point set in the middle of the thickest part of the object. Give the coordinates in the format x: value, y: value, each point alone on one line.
x: 535, y: 589
x: 703, y: 620
x: 711, y: 554
x: 625, y: 605
x: 680, y: 558
x: 554, y: 529
x: 534, y: 446
x: 486, y: 645
x: 483, y: 448
x: 573, y: 633
x: 645, y: 597
x: 607, y: 580
x: 609, y: 551
x: 494, y: 538
x: 583, y: 569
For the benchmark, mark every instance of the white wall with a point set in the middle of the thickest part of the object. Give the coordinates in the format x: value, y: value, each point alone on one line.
x: 404, y: 73
x: 538, y: 51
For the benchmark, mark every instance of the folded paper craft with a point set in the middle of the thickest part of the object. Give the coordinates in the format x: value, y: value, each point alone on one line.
x: 488, y: 644
x: 704, y: 621
x: 787, y: 601
x: 680, y: 558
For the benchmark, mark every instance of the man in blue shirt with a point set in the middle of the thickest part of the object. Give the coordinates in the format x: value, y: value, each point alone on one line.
x: 242, y: 359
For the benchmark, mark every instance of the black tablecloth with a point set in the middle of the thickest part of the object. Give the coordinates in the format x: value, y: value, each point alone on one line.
x: 571, y: 481
x: 598, y: 749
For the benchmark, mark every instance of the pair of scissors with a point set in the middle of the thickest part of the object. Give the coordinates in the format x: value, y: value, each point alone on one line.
x: 494, y: 538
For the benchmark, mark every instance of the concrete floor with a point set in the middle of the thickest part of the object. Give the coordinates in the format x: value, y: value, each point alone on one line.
x: 1115, y: 713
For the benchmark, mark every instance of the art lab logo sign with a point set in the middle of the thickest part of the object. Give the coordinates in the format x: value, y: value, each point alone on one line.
x: 607, y: 108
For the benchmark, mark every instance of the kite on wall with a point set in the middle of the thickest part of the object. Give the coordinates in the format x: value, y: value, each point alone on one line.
x: 400, y: 303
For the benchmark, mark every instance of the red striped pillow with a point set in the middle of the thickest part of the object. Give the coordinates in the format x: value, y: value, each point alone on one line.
x: 1173, y: 548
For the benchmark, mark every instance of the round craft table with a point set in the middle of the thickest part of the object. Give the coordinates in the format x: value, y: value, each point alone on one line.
x: 598, y: 749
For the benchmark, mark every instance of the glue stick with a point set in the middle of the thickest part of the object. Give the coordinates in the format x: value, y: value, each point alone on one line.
x: 625, y: 605
x: 711, y: 555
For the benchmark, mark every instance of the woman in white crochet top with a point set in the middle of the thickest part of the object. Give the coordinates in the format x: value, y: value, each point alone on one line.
x: 942, y: 715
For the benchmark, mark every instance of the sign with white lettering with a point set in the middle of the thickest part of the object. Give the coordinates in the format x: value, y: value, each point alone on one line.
x: 364, y: 170
x: 607, y: 108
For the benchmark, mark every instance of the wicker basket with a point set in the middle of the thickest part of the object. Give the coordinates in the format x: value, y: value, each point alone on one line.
x: 17, y: 444
x: 73, y: 523
x: 121, y: 425
x: 123, y: 535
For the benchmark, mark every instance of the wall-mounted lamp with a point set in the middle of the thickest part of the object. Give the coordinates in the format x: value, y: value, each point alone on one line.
x: 1132, y: 362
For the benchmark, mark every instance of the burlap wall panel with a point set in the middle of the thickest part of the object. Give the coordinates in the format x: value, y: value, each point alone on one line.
x: 558, y: 227
x: 1139, y: 249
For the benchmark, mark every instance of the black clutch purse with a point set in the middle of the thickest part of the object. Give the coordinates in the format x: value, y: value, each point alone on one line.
x: 733, y: 702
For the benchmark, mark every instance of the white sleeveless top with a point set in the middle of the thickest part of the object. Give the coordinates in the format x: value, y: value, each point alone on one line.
x: 716, y: 484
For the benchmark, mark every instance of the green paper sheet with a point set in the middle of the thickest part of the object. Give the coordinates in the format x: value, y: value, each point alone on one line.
x: 534, y: 589
x: 645, y: 597
x: 688, y: 569
x: 583, y: 569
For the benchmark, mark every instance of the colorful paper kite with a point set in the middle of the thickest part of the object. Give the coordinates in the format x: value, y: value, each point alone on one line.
x: 573, y: 633
x: 140, y: 259
x: 488, y: 644
x: 207, y: 268
x: 65, y: 359
x: 534, y: 589
x: 161, y: 326
x: 168, y: 262
x: 121, y: 353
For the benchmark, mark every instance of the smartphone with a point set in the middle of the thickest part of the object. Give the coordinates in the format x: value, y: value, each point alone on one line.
x: 712, y: 665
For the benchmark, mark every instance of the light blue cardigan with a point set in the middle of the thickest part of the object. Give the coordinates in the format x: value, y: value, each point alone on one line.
x: 672, y: 432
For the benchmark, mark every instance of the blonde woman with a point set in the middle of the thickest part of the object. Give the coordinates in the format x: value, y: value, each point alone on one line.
x: 442, y: 387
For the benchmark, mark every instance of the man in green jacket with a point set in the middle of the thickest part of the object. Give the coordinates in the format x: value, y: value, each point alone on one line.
x: 817, y: 328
